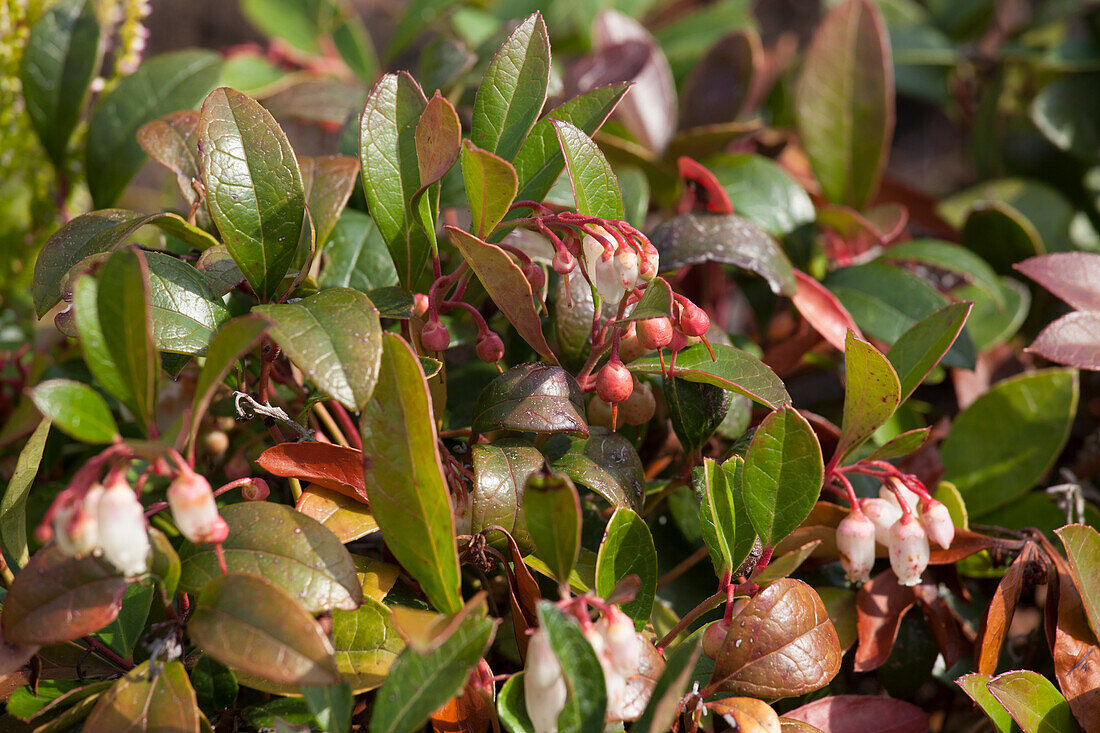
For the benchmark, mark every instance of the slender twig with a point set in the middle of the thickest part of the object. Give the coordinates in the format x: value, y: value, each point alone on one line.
x: 707, y: 605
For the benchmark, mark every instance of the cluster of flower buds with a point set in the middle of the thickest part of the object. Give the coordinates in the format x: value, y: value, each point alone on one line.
x: 194, y: 510
x: 616, y: 265
x: 107, y: 520
x: 904, y: 530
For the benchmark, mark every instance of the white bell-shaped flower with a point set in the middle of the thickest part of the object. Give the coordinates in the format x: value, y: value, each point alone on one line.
x: 855, y: 540
x: 543, y: 684
x: 194, y: 509
x: 883, y: 514
x: 909, y: 550
x: 123, y: 535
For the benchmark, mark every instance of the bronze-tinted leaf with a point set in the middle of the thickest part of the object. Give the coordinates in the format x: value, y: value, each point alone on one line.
x: 604, y: 462
x: 56, y: 598
x: 501, y: 471
x: 880, y: 606
x: 148, y: 699
x: 1076, y: 650
x: 781, y: 644
x: 536, y: 398
x: 1073, y: 339
x: 173, y: 141
x: 862, y: 714
x: 328, y: 181
x: 823, y: 310
x: 347, y: 518
x: 331, y: 466
x: 998, y: 616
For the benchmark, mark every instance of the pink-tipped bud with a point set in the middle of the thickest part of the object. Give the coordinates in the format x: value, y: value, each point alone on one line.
x: 639, y: 407
x: 622, y: 641
x: 694, y: 321
x: 544, y: 687
x: 123, y: 535
x: 714, y: 638
x: 420, y: 304
x: 75, y: 528
x: 911, y: 497
x: 626, y: 265
x: 614, y: 382
x: 855, y: 540
x: 655, y: 333
x: 909, y: 550
x: 490, y: 348
x: 194, y: 509
x: 435, y: 336
x: 564, y: 262
x: 535, y: 275
x: 258, y: 490
x: 937, y: 523
x: 882, y: 514
x: 651, y: 261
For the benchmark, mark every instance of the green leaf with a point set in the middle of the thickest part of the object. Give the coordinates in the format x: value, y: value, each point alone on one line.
x: 1083, y: 550
x: 418, y: 684
x: 663, y: 708
x: 57, y: 598
x: 1066, y: 112
x: 696, y: 410
x: 717, y: 516
x: 185, y: 311
x: 215, y: 685
x: 595, y: 188
x: 988, y: 324
x: 496, y: 496
x: 366, y: 644
x: 513, y: 90
x: 287, y: 548
x: 918, y: 350
x: 233, y: 340
x: 732, y: 369
x: 391, y: 176
x: 1006, y: 440
x: 250, y: 624
x: 123, y: 633
x: 327, y: 182
x: 871, y: 394
x: 253, y: 187
x: 335, y: 337
x: 162, y: 84
x: 13, y: 507
x: 506, y: 285
x: 783, y: 472
x: 491, y: 186
x: 604, y: 462
x: 354, y: 44
x: 148, y: 699
x: 952, y: 258
x: 587, y: 703
x: 1001, y: 235
x: 61, y: 57
x: 762, y: 191
x: 539, y: 161
x: 734, y: 469
x: 886, y: 301
x: 404, y: 476
x: 76, y: 409
x: 1033, y: 702
x: 553, y: 511
x: 656, y: 302
x: 976, y: 686
x: 164, y: 563
x: 331, y: 706
x: 512, y: 706
x: 356, y: 256
x: 785, y: 565
x: 900, y: 445
x: 535, y: 397
x: 844, y: 102
x: 627, y: 549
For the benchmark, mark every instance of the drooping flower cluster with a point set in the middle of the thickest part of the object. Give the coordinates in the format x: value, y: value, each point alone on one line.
x: 615, y: 265
x: 107, y: 520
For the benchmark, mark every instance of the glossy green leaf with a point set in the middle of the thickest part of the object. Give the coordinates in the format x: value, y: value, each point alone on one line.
x: 60, y: 58
x: 919, y: 349
x: 1006, y: 440
x: 327, y: 182
x: 501, y: 471
x: 900, y: 445
x: 491, y: 186
x: 366, y: 644
x: 331, y: 706
x: 1066, y: 111
x: 663, y: 708
x: 1083, y: 550
x: 627, y: 549
x: 595, y: 187
x: 717, y: 513
x: 76, y: 409
x: 418, y: 684
x: 844, y: 102
x: 253, y: 187
x: 148, y: 699
x: 220, y: 270
x: 123, y: 633
x: 233, y: 340
x: 512, y: 706
x: 783, y: 472
x: 506, y: 285
x: 289, y: 549
x: 950, y: 257
x: 356, y: 255
x: 762, y: 191
x: 696, y: 410
x: 785, y: 565
x: 539, y: 161
x: 604, y: 462
x: 887, y: 301
x: 354, y: 44
x: 403, y: 473
x: 727, y: 238
x: 536, y: 397
x: 513, y: 90
x: 745, y: 533
x: 553, y: 511
x: 335, y: 337
x: 732, y: 369
x: 391, y: 176
x: 656, y: 302
x: 185, y: 311
x: 215, y: 685
x: 396, y: 302
x: 250, y: 624
x: 162, y: 84
x: 57, y: 598
x: 587, y: 702
x: 871, y: 394
x: 976, y: 686
x: 13, y: 506
x: 1033, y: 702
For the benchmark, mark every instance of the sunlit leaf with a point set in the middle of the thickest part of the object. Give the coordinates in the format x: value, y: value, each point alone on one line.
x: 148, y: 700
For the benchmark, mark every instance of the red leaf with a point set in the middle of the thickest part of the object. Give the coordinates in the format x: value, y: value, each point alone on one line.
x: 880, y: 605
x: 862, y: 714
x: 823, y: 311
x: 998, y: 616
x: 1073, y: 339
x: 965, y: 544
x: 1076, y: 650
x: 332, y: 466
x: 944, y: 625
x: 1072, y: 276
x: 703, y: 188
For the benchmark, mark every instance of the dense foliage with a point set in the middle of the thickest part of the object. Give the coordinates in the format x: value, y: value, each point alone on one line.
x: 621, y: 387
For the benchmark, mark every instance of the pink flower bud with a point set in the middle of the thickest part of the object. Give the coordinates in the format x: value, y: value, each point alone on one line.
x: 123, y: 535
x: 883, y: 514
x: 937, y: 523
x: 435, y: 336
x: 490, y: 348
x: 258, y: 490
x: 420, y: 304
x: 614, y: 383
x: 650, y: 262
x: 622, y: 641
x: 74, y: 524
x: 543, y: 684
x: 909, y: 550
x: 855, y: 540
x: 194, y: 509
x: 564, y: 262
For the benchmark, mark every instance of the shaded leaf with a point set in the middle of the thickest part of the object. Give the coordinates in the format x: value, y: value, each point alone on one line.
x: 605, y: 462
x: 822, y: 310
x: 535, y: 397
x: 656, y: 302
x: 366, y: 644
x: 327, y: 182
x: 1075, y: 648
x: 74, y: 241
x: 1071, y: 276
x: 871, y: 394
x: 438, y: 139
x: 919, y: 349
x: 718, y: 87
x: 125, y: 319
x: 491, y: 185
x: 627, y: 549
x: 785, y: 565
x: 861, y: 714
x: 553, y: 511
x: 220, y: 270
x: 595, y: 187
x: 1033, y: 702
x: 403, y: 473
x: 123, y: 633
x: 496, y: 496
x: 587, y: 702
x: 841, y: 605
x: 717, y: 516
x: 1073, y: 339
x: 951, y: 258
x: 331, y: 706
x: 901, y: 445
x: 757, y: 187
x: 173, y: 141
x: 148, y: 699
x: 663, y: 707
x: 13, y: 506
x: 880, y: 606
x: 1066, y: 111
x: 164, y: 563
x: 998, y: 615
x: 731, y: 369
x: 356, y: 256
x: 185, y: 311
x: 347, y: 518
x: 696, y: 410
x: 76, y: 409
x: 512, y: 706
x: 1001, y: 235
x: 1082, y: 545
